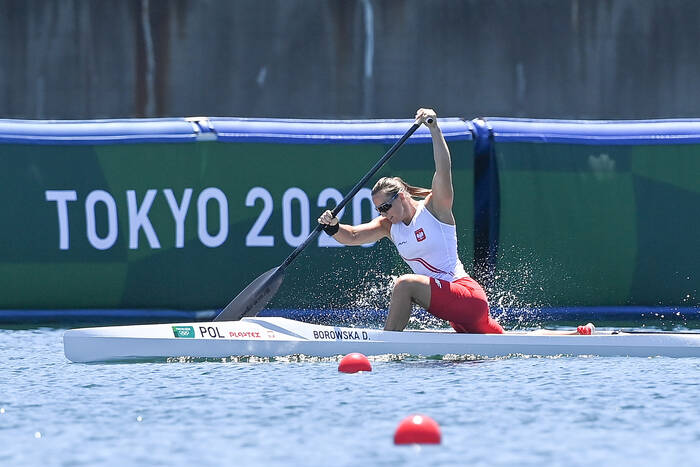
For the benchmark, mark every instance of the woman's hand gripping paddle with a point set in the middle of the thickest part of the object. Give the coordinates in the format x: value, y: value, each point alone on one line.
x: 254, y: 297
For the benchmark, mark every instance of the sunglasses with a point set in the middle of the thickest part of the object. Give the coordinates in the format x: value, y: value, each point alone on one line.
x: 384, y: 207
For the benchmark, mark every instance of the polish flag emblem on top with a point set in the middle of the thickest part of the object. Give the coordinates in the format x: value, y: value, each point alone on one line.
x: 420, y: 235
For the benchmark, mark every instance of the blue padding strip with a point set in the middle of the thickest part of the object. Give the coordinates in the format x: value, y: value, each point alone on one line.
x: 594, y: 132
x: 487, y: 205
x: 166, y: 130
x: 351, y: 317
x: 24, y: 316
x: 575, y: 311
x: 332, y: 131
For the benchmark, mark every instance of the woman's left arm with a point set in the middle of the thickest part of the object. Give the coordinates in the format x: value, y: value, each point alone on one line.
x: 442, y: 197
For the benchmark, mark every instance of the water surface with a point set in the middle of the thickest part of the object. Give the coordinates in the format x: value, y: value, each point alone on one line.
x: 301, y: 411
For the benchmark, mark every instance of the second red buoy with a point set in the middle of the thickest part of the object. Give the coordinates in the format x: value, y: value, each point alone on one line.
x: 417, y: 429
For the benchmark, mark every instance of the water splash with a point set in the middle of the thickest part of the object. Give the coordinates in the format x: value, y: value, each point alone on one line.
x: 518, y: 292
x: 373, y: 291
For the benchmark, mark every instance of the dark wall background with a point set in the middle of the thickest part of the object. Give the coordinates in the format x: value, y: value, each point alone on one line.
x: 80, y: 59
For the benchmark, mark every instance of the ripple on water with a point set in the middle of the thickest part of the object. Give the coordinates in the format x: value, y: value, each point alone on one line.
x: 300, y: 410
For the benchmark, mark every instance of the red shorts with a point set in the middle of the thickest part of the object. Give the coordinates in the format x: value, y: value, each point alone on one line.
x: 463, y: 303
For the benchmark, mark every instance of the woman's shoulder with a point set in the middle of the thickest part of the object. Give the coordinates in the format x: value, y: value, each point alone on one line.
x: 444, y: 216
x: 382, y: 223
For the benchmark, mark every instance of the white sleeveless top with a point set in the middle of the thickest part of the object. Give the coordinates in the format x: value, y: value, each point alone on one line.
x: 429, y: 246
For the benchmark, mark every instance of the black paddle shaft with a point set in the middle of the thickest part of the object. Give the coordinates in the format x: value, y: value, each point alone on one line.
x: 253, y: 298
x: 351, y: 194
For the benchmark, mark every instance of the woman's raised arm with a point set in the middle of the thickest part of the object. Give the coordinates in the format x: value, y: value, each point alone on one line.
x: 442, y: 197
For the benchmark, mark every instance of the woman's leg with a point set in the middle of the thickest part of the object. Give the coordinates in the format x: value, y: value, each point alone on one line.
x: 409, y: 289
x: 464, y: 304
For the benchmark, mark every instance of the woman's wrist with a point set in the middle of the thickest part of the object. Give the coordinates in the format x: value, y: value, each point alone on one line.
x: 331, y: 229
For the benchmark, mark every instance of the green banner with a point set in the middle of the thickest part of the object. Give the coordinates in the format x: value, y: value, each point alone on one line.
x: 189, y: 225
x: 599, y: 225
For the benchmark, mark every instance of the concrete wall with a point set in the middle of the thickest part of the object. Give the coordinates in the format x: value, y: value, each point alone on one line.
x: 76, y: 59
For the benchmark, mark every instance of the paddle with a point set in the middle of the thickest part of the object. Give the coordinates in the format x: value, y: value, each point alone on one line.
x: 254, y: 297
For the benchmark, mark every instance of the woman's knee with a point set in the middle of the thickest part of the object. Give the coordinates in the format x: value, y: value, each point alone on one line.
x: 404, y: 284
x: 414, y: 287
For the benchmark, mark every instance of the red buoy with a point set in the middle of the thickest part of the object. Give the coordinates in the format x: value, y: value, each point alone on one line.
x: 354, y: 362
x: 417, y: 429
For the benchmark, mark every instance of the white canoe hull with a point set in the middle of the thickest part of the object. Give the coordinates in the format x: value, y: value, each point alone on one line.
x: 271, y: 337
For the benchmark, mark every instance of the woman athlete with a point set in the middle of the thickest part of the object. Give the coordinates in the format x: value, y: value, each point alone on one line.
x: 425, y: 235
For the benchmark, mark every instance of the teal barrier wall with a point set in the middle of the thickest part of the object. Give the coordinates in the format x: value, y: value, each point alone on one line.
x: 595, y: 213
x: 183, y: 214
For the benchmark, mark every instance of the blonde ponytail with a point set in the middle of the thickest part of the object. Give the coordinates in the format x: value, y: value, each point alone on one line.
x: 392, y: 185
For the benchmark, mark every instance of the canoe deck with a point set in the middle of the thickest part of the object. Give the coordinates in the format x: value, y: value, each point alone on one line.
x: 271, y: 337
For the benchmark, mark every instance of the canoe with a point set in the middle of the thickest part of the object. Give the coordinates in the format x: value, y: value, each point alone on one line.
x: 272, y: 337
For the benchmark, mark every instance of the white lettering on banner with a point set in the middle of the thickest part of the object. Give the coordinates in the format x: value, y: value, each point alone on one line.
x: 62, y: 197
x: 219, y: 196
x: 295, y: 216
x: 138, y: 219
x: 179, y: 213
x: 290, y: 195
x: 254, y: 238
x: 362, y: 198
x: 95, y: 240
x: 325, y: 240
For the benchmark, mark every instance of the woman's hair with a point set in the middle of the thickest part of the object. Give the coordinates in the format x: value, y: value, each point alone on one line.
x: 392, y: 185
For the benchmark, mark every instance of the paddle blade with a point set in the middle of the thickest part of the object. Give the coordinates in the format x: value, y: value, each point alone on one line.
x: 254, y: 297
